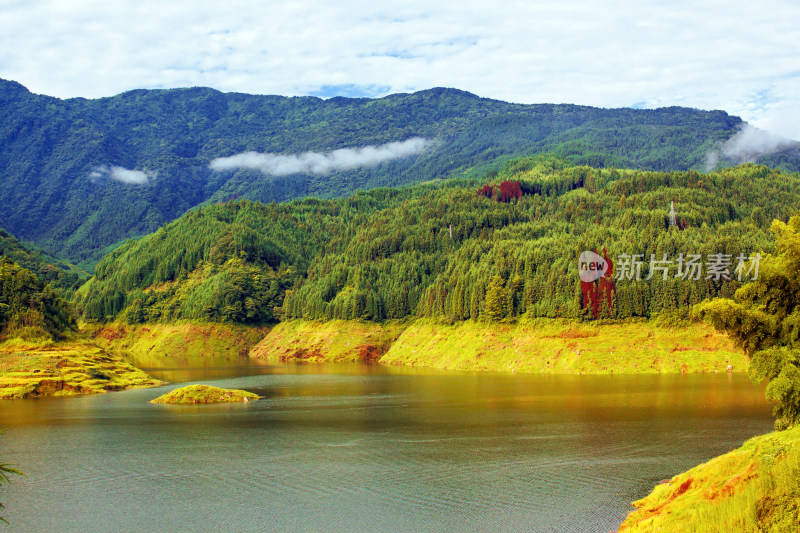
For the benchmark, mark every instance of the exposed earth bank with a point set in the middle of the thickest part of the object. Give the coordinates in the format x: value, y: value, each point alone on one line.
x: 546, y: 346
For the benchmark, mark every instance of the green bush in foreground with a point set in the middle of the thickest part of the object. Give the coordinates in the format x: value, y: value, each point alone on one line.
x: 6, y: 469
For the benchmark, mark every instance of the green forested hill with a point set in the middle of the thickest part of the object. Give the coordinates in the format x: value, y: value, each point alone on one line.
x: 28, y: 306
x: 443, y: 249
x: 56, y: 187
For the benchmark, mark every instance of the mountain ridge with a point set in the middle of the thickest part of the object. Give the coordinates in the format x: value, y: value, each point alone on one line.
x: 57, y: 157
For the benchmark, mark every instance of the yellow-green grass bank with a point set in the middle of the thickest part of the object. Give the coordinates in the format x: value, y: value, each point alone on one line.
x: 559, y: 347
x: 336, y: 341
x: 753, y: 488
x: 176, y: 344
x: 194, y: 394
x: 32, y: 369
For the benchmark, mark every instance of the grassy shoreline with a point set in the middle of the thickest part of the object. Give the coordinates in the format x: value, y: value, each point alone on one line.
x: 92, y: 361
x: 753, y: 488
x: 338, y: 341
x: 543, y: 347
x: 178, y: 343
x: 31, y: 369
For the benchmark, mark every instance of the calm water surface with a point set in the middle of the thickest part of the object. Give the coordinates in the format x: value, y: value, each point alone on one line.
x: 350, y: 448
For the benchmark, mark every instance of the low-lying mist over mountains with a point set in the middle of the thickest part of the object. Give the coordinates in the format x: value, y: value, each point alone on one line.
x: 322, y: 163
x: 79, y: 176
x: 749, y: 145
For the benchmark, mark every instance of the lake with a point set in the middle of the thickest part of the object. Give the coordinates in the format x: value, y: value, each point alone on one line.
x: 368, y: 448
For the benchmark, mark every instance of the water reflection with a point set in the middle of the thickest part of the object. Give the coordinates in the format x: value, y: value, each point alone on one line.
x: 340, y: 447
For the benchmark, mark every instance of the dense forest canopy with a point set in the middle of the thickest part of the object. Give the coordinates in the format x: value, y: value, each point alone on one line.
x: 446, y: 249
x: 65, y: 165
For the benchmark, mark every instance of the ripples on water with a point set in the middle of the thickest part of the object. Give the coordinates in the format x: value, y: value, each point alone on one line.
x: 341, y: 448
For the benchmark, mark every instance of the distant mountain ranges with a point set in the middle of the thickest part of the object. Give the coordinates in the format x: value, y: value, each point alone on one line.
x: 78, y: 176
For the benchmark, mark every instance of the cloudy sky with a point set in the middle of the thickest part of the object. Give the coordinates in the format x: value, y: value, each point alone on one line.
x: 743, y: 57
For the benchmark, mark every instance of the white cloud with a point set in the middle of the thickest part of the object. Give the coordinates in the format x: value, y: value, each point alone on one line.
x: 738, y: 56
x: 750, y: 142
x: 121, y: 174
x: 321, y: 163
x: 747, y: 145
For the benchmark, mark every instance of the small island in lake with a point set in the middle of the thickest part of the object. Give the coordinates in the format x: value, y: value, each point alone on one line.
x: 205, y: 394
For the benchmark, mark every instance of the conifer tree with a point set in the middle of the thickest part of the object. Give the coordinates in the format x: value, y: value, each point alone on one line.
x: 495, y: 306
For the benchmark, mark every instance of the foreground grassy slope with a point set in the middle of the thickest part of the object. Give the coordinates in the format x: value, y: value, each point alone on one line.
x: 38, y: 369
x: 753, y: 488
x: 559, y: 347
